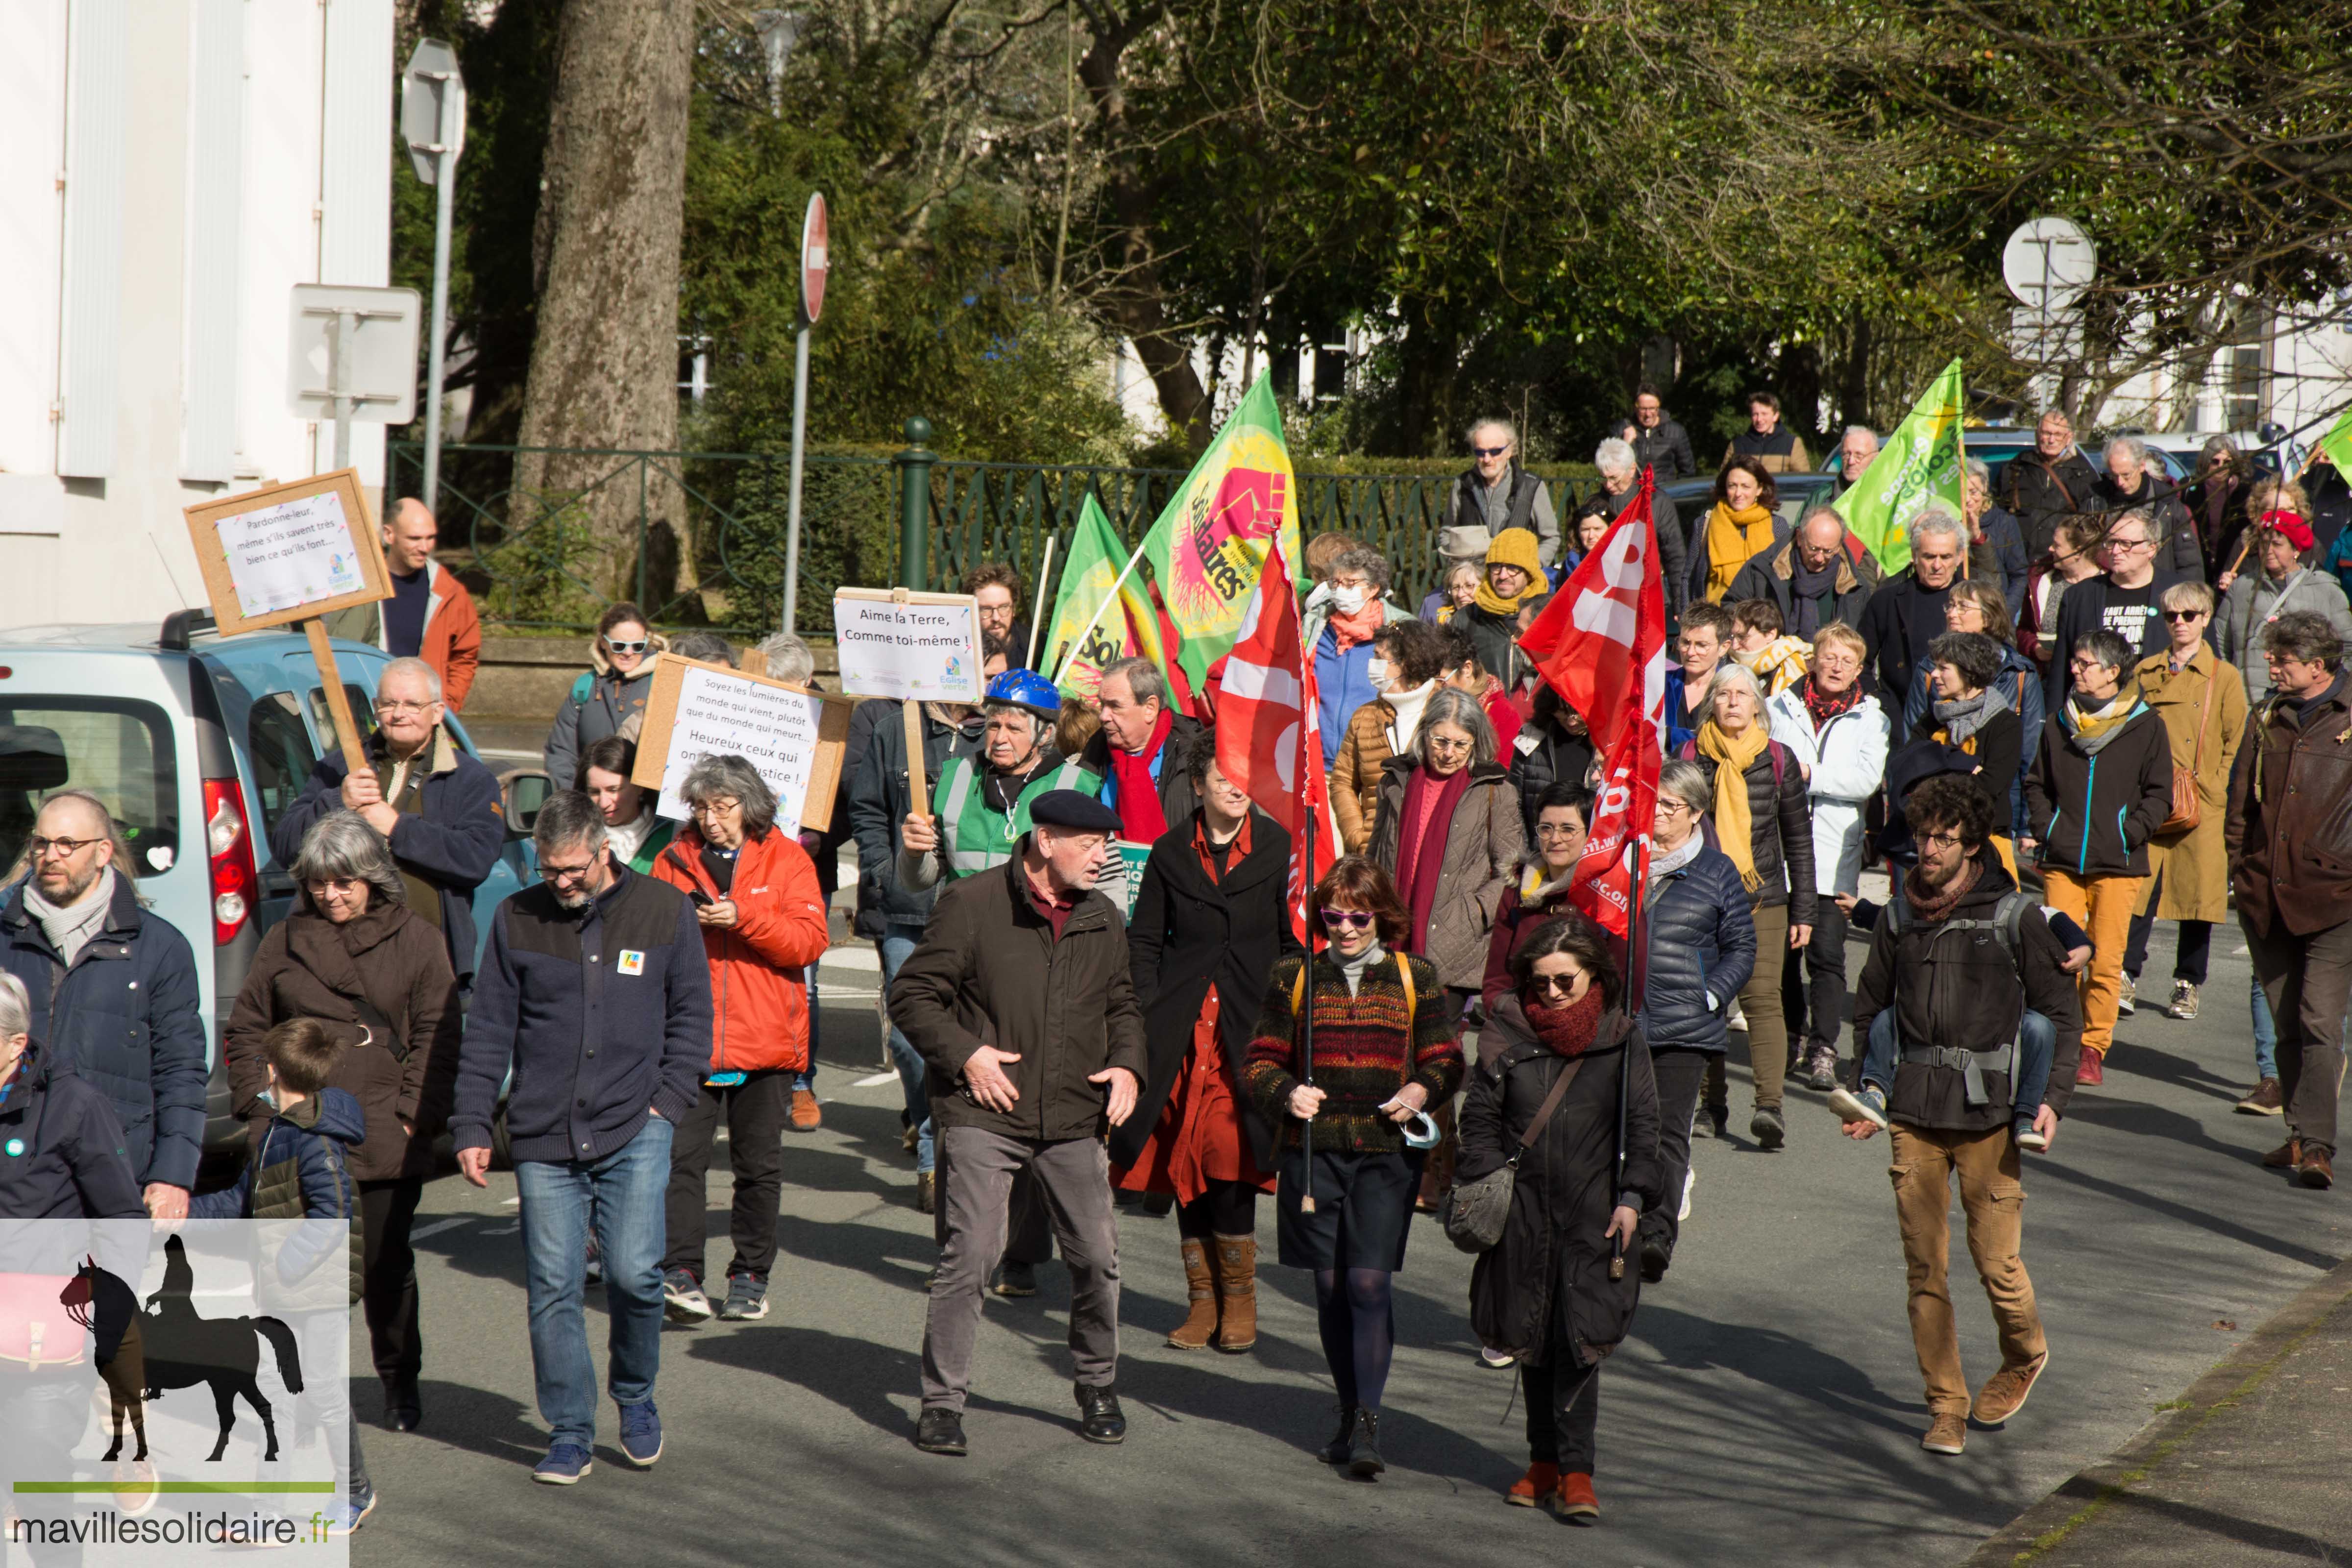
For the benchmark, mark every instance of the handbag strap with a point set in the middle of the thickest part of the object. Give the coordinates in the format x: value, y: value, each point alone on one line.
x: 1551, y: 1104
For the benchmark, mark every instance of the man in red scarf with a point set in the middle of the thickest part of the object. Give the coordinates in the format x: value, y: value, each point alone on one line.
x: 1131, y: 751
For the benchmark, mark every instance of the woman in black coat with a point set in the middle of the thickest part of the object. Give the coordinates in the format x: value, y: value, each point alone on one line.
x: 1554, y: 1291
x: 1209, y: 920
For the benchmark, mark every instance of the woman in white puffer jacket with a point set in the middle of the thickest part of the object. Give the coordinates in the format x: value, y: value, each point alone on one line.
x: 1841, y: 737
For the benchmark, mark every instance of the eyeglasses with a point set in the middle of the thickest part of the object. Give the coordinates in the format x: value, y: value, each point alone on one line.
x: 2085, y: 661
x: 1359, y: 918
x: 1940, y: 840
x: 565, y: 873
x: 1672, y: 808
x: 2178, y: 617
x: 638, y: 646
x: 335, y: 884
x: 1545, y: 984
x: 712, y: 809
x: 1556, y: 830
x: 63, y: 848
x: 2131, y: 544
x: 391, y: 709
x: 1439, y: 744
x: 1490, y: 451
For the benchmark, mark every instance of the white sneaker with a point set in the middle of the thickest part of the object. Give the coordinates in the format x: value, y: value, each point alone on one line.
x: 1736, y: 1018
x: 683, y: 1301
x: 2127, y: 1000
x: 1690, y: 1180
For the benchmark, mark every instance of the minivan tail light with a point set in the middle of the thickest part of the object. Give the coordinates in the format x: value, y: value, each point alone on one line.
x: 228, y: 849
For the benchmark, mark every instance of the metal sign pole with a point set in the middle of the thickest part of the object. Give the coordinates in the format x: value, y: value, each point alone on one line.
x: 445, y: 158
x: 792, y: 514
x: 338, y: 380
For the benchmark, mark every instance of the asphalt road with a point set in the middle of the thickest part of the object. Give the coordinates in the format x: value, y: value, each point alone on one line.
x: 1767, y: 1409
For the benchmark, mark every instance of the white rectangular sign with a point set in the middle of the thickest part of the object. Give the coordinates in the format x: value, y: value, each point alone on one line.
x: 924, y: 647
x: 297, y: 553
x: 773, y: 730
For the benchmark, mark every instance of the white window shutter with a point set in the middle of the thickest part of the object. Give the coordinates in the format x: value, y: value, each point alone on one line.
x: 356, y: 154
x: 208, y: 425
x: 98, y: 70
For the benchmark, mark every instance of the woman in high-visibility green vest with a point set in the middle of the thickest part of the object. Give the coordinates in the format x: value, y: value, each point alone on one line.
x: 981, y: 809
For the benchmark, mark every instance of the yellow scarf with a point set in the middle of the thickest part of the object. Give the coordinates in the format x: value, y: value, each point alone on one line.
x: 2089, y: 726
x: 1513, y: 547
x: 1733, y: 829
x: 1731, y: 538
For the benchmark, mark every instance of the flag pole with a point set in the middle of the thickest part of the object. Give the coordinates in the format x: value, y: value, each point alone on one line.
x: 1108, y: 600
x: 1037, y: 616
x: 1307, y: 826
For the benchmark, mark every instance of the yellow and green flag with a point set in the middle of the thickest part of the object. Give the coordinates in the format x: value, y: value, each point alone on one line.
x: 2337, y: 445
x: 1209, y: 546
x: 1919, y: 463
x: 1091, y: 630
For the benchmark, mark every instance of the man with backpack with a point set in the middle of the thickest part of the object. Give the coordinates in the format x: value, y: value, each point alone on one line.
x: 1957, y: 962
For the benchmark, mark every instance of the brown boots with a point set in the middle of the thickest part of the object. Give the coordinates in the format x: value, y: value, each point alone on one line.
x: 1201, y: 1286
x: 1221, y: 1292
x: 1237, y: 1292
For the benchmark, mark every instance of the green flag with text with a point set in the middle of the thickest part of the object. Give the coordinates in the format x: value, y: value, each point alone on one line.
x: 1919, y: 463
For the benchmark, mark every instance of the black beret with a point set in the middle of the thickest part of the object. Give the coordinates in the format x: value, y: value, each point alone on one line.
x: 1072, y: 809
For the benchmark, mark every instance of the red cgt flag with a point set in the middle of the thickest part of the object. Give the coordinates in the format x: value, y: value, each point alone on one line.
x: 1602, y: 645
x: 1267, y: 743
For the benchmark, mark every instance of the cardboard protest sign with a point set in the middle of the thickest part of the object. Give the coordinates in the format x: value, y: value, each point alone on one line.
x: 922, y: 647
x: 793, y: 737
x: 289, y: 552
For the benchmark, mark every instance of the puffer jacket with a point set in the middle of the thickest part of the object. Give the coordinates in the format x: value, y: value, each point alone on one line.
x: 1552, y: 747
x: 300, y: 1170
x: 1374, y: 733
x: 600, y: 703
x: 1844, y: 760
x: 1554, y: 1246
x: 2290, y: 826
x: 1483, y: 848
x: 1698, y: 948
x: 758, y: 966
x: 1781, y: 842
x: 2094, y: 815
x: 67, y: 1160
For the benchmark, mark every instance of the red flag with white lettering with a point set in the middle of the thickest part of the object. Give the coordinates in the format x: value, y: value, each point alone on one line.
x: 1602, y: 645
x: 1267, y: 743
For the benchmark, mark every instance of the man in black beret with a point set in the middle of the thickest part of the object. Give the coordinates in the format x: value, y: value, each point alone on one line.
x: 1019, y: 1000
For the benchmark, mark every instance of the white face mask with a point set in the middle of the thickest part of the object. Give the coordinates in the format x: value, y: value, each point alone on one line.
x: 1346, y: 601
x: 1378, y: 670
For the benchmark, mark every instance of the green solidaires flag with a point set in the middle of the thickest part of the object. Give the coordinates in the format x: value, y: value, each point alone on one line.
x: 1209, y: 546
x: 2337, y: 445
x: 1919, y: 463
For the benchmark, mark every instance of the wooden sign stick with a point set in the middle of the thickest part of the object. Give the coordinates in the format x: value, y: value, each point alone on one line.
x: 347, y: 730
x: 919, y: 789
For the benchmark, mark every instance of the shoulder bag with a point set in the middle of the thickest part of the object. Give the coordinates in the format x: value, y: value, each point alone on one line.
x: 2187, y: 810
x: 1474, y: 1213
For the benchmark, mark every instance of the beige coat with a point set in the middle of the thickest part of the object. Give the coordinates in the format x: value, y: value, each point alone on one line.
x: 1483, y: 850
x: 2195, y: 865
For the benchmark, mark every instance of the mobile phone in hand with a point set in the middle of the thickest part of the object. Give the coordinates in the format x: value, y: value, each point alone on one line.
x: 702, y: 901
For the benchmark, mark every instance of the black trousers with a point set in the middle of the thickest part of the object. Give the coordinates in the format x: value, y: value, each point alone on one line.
x: 1679, y: 1073
x: 2190, y: 956
x: 1563, y: 1407
x: 755, y: 1109
x: 388, y: 1275
x: 1813, y: 994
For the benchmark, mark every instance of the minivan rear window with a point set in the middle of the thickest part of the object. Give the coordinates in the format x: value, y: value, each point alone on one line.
x: 118, y: 749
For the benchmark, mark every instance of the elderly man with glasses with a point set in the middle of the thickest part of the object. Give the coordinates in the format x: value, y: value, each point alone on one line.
x: 438, y: 806
x: 2127, y: 599
x: 595, y: 991
x: 1497, y: 494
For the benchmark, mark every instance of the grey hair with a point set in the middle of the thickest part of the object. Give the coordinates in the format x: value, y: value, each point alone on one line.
x: 1142, y: 677
x: 568, y: 818
x: 1935, y: 517
x: 2218, y: 444
x: 730, y: 777
x: 1734, y: 674
x: 1459, y: 708
x: 703, y: 647
x: 1370, y: 563
x: 1686, y: 782
x: 1979, y: 471
x: 2133, y: 445
x: 416, y: 666
x: 788, y: 657
x: 1865, y: 432
x: 1819, y: 511
x: 343, y: 845
x: 1510, y: 432
x: 1459, y: 567
x: 1614, y: 457
x: 15, y: 1007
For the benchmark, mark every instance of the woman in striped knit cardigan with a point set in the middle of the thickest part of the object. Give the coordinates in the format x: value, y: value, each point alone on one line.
x: 1384, y: 1051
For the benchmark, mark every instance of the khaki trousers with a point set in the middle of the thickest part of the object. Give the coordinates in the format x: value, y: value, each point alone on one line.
x: 1924, y: 1161
x: 2104, y: 907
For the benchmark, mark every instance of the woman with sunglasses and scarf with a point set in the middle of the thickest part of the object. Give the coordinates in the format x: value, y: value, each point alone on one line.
x: 1383, y: 1051
x: 1565, y: 1076
x: 610, y: 699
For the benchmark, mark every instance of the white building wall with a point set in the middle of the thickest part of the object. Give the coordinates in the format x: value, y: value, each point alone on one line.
x: 259, y: 193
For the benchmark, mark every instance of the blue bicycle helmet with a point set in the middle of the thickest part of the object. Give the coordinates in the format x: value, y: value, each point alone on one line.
x: 1026, y: 688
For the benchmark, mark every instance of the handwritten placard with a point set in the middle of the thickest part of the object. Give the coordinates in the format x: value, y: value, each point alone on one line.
x: 793, y: 737
x: 289, y: 552
x: 919, y: 647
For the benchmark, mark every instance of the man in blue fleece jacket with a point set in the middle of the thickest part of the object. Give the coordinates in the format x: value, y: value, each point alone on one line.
x: 594, y: 989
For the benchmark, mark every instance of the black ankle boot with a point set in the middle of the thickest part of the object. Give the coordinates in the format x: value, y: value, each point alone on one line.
x: 1364, y: 1460
x: 1335, y: 1452
x: 402, y: 1409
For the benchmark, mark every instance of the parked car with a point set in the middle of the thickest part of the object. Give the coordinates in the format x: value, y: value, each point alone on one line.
x: 197, y: 743
x: 1997, y: 446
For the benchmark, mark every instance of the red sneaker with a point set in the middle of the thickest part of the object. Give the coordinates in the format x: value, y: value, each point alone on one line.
x: 1574, y: 1501
x: 1540, y: 1481
x: 807, y: 1117
x: 2092, y: 1071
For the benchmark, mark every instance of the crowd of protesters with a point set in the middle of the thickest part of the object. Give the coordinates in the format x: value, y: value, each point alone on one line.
x: 2086, y: 703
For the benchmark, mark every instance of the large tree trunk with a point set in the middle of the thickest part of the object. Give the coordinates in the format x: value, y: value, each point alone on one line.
x: 603, y: 363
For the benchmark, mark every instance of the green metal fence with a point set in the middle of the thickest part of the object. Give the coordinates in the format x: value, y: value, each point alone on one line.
x: 698, y: 538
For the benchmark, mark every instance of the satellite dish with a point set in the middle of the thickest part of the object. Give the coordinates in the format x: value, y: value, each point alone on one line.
x: 2048, y: 262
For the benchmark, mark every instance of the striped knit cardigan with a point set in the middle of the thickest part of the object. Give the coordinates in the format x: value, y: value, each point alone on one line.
x: 1362, y: 1045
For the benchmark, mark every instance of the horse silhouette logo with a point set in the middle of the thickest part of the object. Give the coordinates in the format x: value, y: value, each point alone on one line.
x: 142, y: 1354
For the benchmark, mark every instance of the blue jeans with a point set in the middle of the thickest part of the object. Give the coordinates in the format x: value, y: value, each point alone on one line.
x: 2266, y: 1033
x: 2037, y: 1045
x: 898, y: 945
x: 621, y: 1195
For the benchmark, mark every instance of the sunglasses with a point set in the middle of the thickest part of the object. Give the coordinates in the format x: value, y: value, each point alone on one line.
x: 638, y: 646
x: 2177, y: 616
x: 1489, y: 451
x: 1545, y: 984
x: 1359, y: 918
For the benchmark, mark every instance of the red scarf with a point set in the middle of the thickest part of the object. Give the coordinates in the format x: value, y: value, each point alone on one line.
x: 1360, y: 627
x: 1568, y: 1030
x: 1141, y: 820
x: 1825, y: 706
x: 1421, y: 850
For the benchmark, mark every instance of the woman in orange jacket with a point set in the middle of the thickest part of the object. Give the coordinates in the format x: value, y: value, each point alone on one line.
x: 763, y: 925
